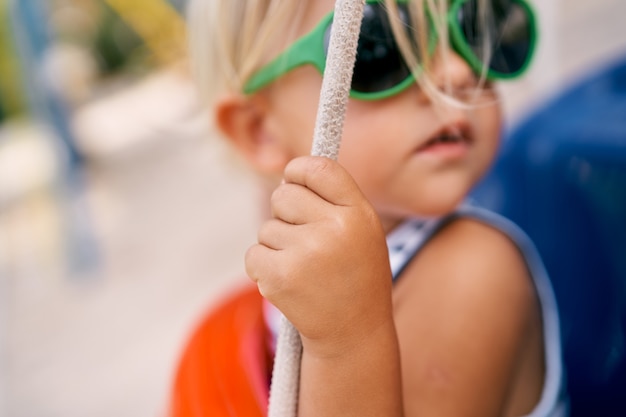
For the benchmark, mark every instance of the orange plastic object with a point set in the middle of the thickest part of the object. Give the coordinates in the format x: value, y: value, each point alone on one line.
x: 225, y: 368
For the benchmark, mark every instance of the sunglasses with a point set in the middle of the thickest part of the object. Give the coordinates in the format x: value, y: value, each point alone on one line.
x: 380, y: 70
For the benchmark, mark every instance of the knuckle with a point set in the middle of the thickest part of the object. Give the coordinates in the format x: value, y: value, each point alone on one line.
x: 278, y: 195
x: 283, y: 195
x: 272, y: 286
x: 272, y: 280
x: 318, y: 246
x: 281, y: 271
x: 341, y: 226
x: 263, y: 291
x: 369, y: 215
x: 250, y: 261
x: 264, y: 231
x: 313, y: 247
x: 319, y: 167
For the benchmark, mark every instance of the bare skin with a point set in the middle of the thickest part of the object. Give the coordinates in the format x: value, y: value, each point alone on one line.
x: 352, y: 345
x: 464, y: 317
x: 480, y: 326
x: 460, y: 334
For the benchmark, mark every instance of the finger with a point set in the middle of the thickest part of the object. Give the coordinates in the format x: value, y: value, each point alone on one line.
x: 276, y: 234
x: 264, y: 267
x: 296, y: 204
x: 259, y: 262
x: 325, y: 177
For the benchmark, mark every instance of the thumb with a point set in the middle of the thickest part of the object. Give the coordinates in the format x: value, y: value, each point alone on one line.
x: 325, y: 177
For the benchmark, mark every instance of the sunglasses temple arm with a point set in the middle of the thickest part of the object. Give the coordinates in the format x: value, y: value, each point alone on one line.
x: 334, y: 96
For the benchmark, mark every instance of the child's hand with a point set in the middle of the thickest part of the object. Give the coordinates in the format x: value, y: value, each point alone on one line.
x: 322, y: 260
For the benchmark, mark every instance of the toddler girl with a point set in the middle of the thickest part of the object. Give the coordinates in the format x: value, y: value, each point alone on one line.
x: 409, y: 301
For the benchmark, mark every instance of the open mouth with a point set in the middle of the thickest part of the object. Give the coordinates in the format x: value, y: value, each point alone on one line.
x: 450, y: 135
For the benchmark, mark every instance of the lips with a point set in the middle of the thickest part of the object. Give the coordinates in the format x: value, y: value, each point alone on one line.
x: 451, y: 135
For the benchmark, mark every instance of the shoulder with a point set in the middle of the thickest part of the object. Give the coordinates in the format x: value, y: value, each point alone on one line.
x: 464, y: 309
x: 472, y: 260
x: 469, y: 269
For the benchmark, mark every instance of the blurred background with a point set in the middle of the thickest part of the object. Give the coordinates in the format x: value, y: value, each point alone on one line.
x: 122, y: 218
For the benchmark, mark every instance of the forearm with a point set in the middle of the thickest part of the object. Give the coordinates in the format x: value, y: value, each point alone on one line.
x: 362, y: 380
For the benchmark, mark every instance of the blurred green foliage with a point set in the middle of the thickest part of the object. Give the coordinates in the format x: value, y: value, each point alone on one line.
x: 116, y: 46
x: 12, y: 98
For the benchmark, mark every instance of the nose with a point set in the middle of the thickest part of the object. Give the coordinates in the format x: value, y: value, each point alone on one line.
x: 451, y: 74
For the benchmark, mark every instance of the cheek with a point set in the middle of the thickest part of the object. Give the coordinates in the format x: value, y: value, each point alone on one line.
x: 490, y: 118
x: 365, y: 151
x: 488, y: 131
x: 294, y: 101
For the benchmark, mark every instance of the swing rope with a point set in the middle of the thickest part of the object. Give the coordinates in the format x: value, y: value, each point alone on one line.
x: 334, y: 96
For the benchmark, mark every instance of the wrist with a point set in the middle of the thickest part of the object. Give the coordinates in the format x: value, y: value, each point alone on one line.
x: 359, y: 376
x: 345, y: 342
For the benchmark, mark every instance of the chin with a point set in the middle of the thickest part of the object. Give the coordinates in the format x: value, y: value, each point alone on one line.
x: 425, y: 208
x: 439, y: 207
x: 442, y: 198
x: 433, y: 199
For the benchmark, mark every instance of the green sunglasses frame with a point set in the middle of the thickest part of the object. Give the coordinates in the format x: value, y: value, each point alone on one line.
x: 310, y: 50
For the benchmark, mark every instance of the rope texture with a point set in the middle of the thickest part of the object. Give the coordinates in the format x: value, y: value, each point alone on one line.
x: 334, y: 96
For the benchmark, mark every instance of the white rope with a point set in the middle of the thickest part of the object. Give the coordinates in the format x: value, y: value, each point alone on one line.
x: 326, y: 140
x: 344, y: 38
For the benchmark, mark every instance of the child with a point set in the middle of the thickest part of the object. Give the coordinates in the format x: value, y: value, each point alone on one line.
x: 469, y: 326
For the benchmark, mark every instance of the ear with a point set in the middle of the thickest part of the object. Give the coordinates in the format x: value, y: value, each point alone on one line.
x: 243, y: 121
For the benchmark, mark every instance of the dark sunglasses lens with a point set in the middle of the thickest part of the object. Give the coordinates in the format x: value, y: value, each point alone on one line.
x: 379, y: 63
x: 507, y: 37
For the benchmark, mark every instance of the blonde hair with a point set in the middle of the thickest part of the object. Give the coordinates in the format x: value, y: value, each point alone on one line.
x: 420, y: 58
x: 230, y: 39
